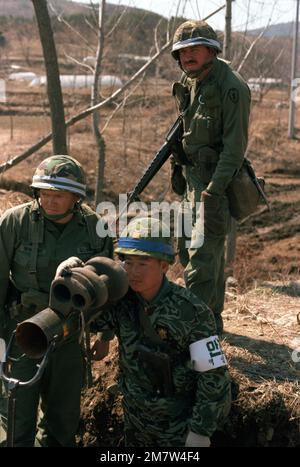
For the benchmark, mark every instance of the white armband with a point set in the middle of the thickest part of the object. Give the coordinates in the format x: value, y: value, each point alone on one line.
x: 207, y: 354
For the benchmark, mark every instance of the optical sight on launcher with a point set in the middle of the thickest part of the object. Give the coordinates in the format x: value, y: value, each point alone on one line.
x: 78, y: 291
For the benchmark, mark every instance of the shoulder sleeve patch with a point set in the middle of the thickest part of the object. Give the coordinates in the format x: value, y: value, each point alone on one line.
x: 233, y: 95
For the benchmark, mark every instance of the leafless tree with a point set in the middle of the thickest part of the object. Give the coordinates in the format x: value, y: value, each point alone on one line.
x: 100, y: 143
x: 53, y: 81
x: 112, y: 99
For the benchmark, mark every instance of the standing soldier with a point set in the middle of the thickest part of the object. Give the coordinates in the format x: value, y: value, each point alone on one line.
x: 39, y: 239
x: 215, y: 103
x: 173, y: 373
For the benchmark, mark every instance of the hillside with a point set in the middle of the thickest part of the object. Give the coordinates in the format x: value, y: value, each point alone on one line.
x: 275, y: 30
x: 24, y: 8
x: 133, y: 29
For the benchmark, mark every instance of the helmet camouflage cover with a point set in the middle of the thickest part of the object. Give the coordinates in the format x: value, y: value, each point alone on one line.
x: 192, y: 33
x: 146, y: 236
x: 60, y: 172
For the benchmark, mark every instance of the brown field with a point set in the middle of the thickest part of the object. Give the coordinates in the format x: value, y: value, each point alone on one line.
x: 262, y: 303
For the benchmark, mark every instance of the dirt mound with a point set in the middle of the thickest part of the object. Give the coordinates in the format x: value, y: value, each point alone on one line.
x: 262, y: 345
x: 101, y: 421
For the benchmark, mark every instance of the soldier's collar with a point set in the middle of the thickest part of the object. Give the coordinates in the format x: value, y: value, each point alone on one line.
x: 79, y: 217
x: 211, y: 75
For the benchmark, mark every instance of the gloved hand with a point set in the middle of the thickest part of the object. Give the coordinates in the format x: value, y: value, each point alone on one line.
x: 178, y: 181
x: 205, y: 194
x: 64, y: 267
x: 178, y: 154
x: 194, y: 440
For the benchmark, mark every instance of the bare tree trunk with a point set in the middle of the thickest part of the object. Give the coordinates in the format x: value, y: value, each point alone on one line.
x: 100, y: 143
x: 232, y: 236
x: 227, y: 33
x: 53, y: 81
x: 124, y: 136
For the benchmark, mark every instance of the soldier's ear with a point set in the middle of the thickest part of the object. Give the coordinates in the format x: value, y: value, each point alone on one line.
x: 164, y: 266
x: 76, y: 198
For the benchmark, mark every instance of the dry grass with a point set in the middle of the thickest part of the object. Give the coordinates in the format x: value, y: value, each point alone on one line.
x: 261, y: 335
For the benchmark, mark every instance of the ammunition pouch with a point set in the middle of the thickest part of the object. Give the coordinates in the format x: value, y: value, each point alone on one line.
x: 35, y: 300
x: 158, y: 368
x: 243, y: 193
x: 13, y: 301
x: 23, y: 305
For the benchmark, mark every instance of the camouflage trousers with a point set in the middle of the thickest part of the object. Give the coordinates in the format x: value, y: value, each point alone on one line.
x: 57, y: 394
x: 204, y: 265
x: 155, y: 423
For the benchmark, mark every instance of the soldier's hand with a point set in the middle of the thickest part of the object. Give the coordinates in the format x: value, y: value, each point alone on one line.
x: 178, y: 154
x: 99, y: 350
x: 194, y: 440
x: 205, y: 194
x: 178, y: 181
x: 65, y: 267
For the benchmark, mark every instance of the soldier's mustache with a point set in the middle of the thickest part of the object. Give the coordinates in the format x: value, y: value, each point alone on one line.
x: 190, y: 62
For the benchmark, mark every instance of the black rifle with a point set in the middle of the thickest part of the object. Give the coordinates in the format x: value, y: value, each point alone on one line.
x: 172, y: 139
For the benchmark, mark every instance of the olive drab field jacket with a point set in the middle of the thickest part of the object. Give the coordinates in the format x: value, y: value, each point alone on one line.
x: 216, y: 119
x: 31, y: 248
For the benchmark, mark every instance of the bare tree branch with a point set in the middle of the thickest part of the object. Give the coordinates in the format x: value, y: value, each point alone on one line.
x: 92, y: 28
x: 78, y: 62
x: 117, y: 22
x: 250, y: 49
x: 257, y: 39
x: 61, y: 19
x: 121, y: 104
x: 156, y: 36
x: 85, y: 113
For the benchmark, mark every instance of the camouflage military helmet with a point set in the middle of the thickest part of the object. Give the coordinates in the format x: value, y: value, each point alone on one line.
x: 194, y: 33
x: 60, y: 173
x: 146, y: 236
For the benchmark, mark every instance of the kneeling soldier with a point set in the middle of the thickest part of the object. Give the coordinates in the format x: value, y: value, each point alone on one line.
x: 173, y: 372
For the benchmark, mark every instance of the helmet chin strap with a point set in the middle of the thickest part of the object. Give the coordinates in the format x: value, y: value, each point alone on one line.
x: 55, y: 217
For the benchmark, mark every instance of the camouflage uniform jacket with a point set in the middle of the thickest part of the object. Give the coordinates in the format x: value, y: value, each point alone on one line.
x: 179, y: 319
x: 215, y: 125
x: 23, y: 229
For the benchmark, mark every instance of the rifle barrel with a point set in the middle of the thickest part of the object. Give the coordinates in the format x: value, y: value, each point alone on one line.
x: 160, y: 158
